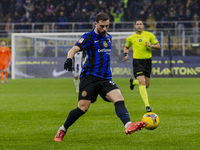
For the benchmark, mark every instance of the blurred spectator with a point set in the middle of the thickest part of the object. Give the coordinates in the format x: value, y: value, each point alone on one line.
x: 50, y: 8
x: 188, y: 17
x: 194, y: 24
x: 86, y: 6
x: 164, y: 7
x: 28, y: 6
x: 8, y: 26
x: 150, y: 22
x: 72, y: 17
x: 117, y: 16
x: 2, y: 20
x: 196, y: 7
x: 37, y: 2
x: 173, y: 16
x: 46, y: 20
x: 24, y: 21
x: 181, y: 18
x: 38, y: 19
x: 16, y: 18
x: 92, y: 17
x: 84, y: 16
x: 19, y: 9
x: 54, y: 18
x: 20, y: 2
x: 62, y: 20
x: 158, y: 15
x: 142, y: 15
x: 190, y: 5
x: 124, y: 4
x: 78, y: 11
x: 78, y: 7
x: 70, y: 7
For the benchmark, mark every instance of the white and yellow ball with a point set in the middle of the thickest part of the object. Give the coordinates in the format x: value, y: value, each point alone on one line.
x: 152, y: 120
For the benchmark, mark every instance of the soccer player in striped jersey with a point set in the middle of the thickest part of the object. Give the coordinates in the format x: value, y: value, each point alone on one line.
x: 77, y: 64
x: 96, y: 77
x: 142, y: 42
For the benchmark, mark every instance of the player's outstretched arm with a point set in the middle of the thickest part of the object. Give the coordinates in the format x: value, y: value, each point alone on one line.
x: 71, y: 53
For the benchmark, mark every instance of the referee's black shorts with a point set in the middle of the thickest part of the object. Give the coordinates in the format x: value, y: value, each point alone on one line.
x: 142, y: 67
x: 91, y: 86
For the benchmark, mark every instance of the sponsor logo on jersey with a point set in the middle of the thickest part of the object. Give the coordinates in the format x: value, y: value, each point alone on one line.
x: 104, y: 50
x: 81, y: 40
x: 105, y: 44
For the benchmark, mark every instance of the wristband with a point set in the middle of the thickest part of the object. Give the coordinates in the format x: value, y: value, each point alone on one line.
x: 151, y: 45
x: 125, y: 54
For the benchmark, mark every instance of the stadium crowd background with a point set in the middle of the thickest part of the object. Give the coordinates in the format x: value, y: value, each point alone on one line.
x: 48, y: 11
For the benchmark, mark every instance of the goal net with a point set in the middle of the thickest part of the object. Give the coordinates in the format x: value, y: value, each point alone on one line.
x: 42, y: 55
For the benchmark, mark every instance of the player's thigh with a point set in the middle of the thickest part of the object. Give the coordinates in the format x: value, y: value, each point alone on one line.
x: 109, y: 91
x: 1, y: 67
x: 114, y: 95
x: 87, y: 89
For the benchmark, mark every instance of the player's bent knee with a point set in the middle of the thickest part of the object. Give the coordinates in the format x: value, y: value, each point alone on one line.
x: 84, y: 105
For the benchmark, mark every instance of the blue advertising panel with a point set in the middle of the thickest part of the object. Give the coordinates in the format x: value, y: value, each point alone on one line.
x: 53, y: 67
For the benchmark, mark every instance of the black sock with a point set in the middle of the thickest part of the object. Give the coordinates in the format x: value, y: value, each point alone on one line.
x: 122, y: 112
x: 72, y: 117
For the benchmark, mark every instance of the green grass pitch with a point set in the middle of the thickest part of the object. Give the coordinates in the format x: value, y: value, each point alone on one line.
x: 32, y: 110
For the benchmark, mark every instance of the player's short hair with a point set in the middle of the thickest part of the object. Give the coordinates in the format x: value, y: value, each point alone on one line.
x: 139, y: 19
x: 102, y: 16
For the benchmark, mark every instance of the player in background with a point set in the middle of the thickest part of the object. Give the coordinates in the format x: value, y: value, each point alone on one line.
x: 96, y: 77
x: 77, y: 64
x: 5, y: 58
x: 142, y: 42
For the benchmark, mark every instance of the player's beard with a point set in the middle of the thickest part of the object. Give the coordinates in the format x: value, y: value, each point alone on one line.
x: 103, y: 33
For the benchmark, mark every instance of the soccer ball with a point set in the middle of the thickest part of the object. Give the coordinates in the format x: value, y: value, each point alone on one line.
x: 152, y: 119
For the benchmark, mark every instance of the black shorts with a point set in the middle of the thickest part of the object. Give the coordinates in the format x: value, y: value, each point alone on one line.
x: 142, y: 67
x: 91, y: 86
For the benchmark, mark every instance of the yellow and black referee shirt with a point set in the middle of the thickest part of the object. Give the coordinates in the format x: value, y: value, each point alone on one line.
x: 140, y: 50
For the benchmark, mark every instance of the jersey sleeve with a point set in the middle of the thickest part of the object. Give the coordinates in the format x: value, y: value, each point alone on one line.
x: 128, y: 42
x: 153, y: 38
x: 83, y: 42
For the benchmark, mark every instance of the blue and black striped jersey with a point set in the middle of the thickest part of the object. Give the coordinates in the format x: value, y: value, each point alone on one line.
x: 98, y: 52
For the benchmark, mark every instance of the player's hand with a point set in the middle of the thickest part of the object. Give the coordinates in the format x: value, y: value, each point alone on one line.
x: 68, y: 64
